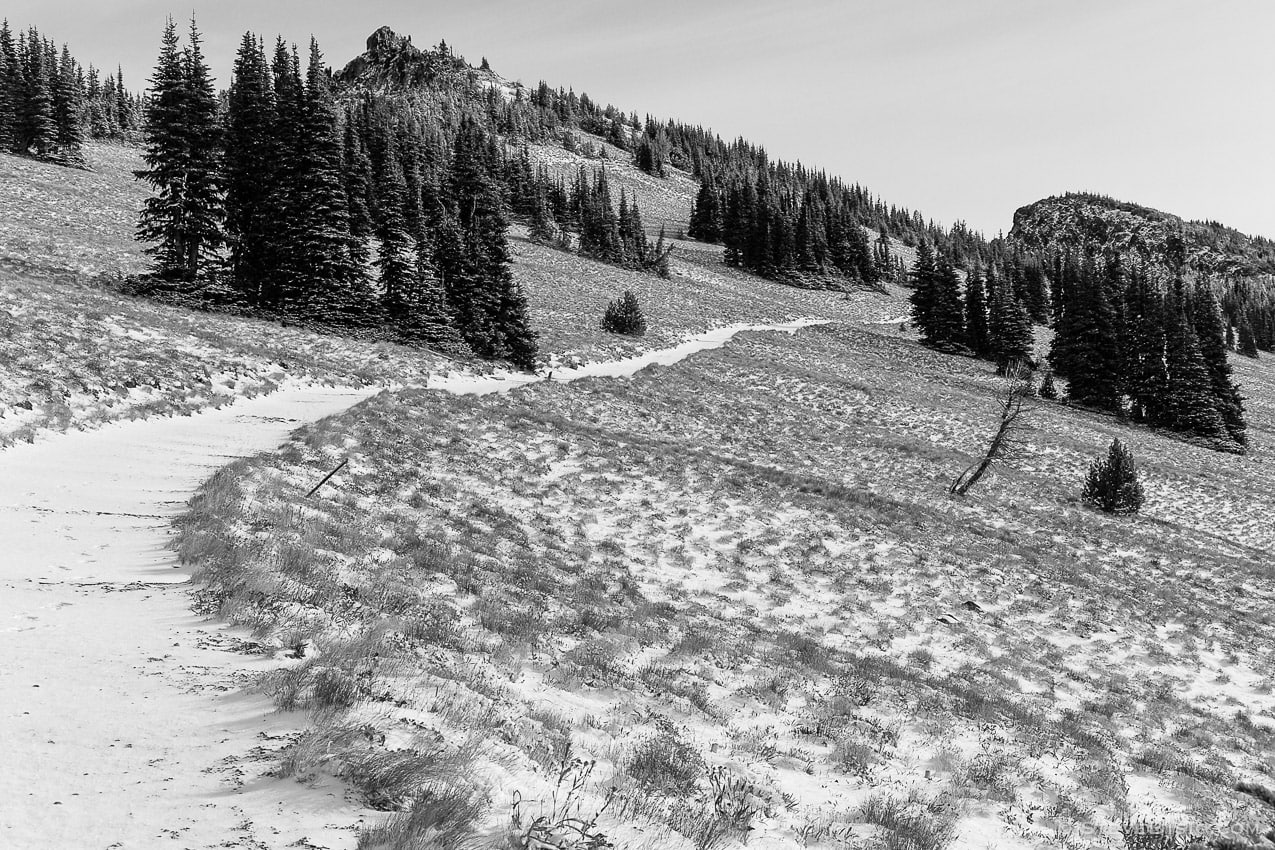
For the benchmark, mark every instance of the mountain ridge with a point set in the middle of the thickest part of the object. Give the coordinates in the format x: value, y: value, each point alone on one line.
x: 1087, y: 220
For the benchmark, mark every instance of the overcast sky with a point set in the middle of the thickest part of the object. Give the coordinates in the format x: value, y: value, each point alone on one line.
x: 963, y: 109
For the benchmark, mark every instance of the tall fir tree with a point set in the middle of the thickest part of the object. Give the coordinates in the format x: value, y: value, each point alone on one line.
x: 67, y: 104
x: 285, y: 289
x: 1012, y: 338
x: 1145, y: 378
x: 10, y: 89
x: 335, y: 286
x: 250, y: 174
x: 947, y: 318
x: 37, y: 127
x: 491, y: 310
x: 923, y: 275
x: 182, y: 220
x: 706, y: 214
x: 202, y: 133
x: 1086, y: 345
x: 1190, y: 406
x: 977, y: 334
x: 1207, y: 321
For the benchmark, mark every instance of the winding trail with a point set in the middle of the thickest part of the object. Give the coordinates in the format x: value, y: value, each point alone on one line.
x: 123, y: 723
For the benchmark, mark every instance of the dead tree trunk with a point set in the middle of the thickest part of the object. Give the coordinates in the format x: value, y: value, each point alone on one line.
x: 1014, y: 404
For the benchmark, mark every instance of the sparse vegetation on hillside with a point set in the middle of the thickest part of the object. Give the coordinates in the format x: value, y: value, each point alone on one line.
x: 76, y: 355
x: 755, y: 549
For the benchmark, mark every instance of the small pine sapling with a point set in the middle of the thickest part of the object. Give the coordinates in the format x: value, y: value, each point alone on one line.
x: 624, y: 316
x: 1048, y: 389
x: 1112, y: 484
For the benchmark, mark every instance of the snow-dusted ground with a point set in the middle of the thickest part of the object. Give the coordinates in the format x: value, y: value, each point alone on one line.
x: 121, y: 722
x: 121, y: 712
x: 757, y: 548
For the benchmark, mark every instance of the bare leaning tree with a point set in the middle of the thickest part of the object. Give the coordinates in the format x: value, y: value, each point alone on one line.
x: 1016, y: 403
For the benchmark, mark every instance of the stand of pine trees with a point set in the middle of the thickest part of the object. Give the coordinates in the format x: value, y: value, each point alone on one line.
x: 1128, y: 342
x: 788, y: 225
x: 357, y: 213
x: 49, y: 105
x: 984, y: 317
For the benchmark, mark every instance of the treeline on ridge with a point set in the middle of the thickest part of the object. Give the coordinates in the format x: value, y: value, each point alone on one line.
x: 1135, y: 340
x: 49, y: 104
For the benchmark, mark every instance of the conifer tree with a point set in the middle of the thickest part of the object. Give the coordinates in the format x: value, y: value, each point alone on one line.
x: 1145, y: 378
x: 335, y: 287
x: 284, y: 290
x: 923, y: 276
x: 542, y: 229
x: 1190, y: 406
x: 947, y: 322
x: 976, y: 317
x: 357, y: 166
x: 10, y: 90
x: 624, y: 316
x: 491, y: 309
x: 249, y: 173
x: 1012, y: 340
x: 1086, y: 347
x: 67, y: 106
x: 202, y: 132
x: 706, y: 215
x: 396, y: 260
x: 1207, y: 317
x: 38, y: 129
x: 1247, y: 344
x: 1048, y: 389
x: 182, y: 219
x: 1112, y: 484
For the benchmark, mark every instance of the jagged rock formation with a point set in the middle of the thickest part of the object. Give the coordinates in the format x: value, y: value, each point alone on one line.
x: 392, y: 61
x: 1087, y: 221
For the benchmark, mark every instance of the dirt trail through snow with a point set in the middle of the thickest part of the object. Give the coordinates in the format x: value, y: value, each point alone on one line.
x: 122, y: 719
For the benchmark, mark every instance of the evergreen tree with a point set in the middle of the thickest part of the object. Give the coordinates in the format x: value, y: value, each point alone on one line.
x: 284, y: 290
x: 542, y: 229
x: 1112, y: 484
x: 947, y: 319
x: 491, y: 309
x: 1086, y: 346
x: 202, y: 132
x: 1144, y: 373
x: 1207, y: 317
x: 396, y: 260
x: 10, y: 90
x: 1048, y: 389
x: 1190, y: 406
x: 182, y: 148
x: 1012, y: 339
x: 1247, y: 345
x: 706, y: 215
x: 249, y: 173
x: 67, y: 105
x: 335, y: 286
x: 976, y: 318
x: 38, y: 129
x: 357, y: 166
x: 923, y: 276
x: 624, y: 316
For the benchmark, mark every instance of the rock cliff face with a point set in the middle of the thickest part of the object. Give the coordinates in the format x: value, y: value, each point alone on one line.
x: 393, y: 62
x: 1085, y: 221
